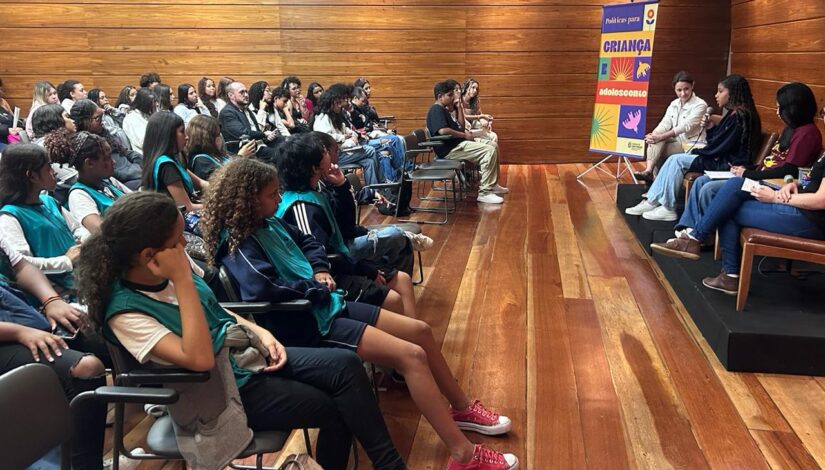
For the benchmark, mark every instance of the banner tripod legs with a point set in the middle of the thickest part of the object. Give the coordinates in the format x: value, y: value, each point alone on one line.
x: 628, y: 168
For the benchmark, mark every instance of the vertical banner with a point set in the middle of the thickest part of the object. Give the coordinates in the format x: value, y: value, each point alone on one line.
x: 625, y: 61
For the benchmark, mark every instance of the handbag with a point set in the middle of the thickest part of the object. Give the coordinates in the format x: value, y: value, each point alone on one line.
x: 300, y: 462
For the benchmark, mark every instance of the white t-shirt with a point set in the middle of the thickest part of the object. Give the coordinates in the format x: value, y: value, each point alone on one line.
x: 138, y: 332
x: 12, y: 232
x: 81, y: 203
x: 13, y: 255
x: 134, y: 125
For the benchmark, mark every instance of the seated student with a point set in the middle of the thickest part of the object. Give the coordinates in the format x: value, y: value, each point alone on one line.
x: 303, y: 163
x: 222, y: 99
x: 165, y: 97
x: 274, y: 261
x: 53, y: 122
x: 137, y: 282
x: 44, y: 93
x: 798, y: 146
x: 473, y: 115
x: 205, y: 147
x: 33, y: 223
x: 367, y: 109
x: 128, y: 163
x: 95, y: 190
x: 187, y: 106
x: 328, y: 119
x: 461, y: 145
x: 680, y: 129
x: 70, y: 91
x: 389, y: 247
x: 296, y: 107
x: 379, y: 140
x: 26, y: 338
x: 314, y: 91
x: 112, y: 116
x: 125, y: 98
x: 134, y: 124
x: 280, y: 99
x: 792, y: 210
x: 260, y: 103
x: 9, y: 129
x: 149, y: 80
x: 731, y: 142
x: 164, y: 167
x: 206, y: 96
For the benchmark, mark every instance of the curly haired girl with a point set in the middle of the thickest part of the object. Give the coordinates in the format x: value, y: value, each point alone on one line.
x: 274, y: 261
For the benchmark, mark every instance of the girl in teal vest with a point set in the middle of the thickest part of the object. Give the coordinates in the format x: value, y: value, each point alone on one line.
x: 271, y: 256
x: 206, y: 148
x: 136, y: 280
x: 164, y: 168
x: 33, y: 223
x: 96, y: 189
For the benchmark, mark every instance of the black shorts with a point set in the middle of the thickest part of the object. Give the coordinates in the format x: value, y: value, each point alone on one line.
x: 14, y: 355
x: 361, y: 289
x: 348, y: 327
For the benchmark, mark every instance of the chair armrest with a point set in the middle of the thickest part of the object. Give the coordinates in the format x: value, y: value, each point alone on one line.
x: 351, y: 149
x: 161, y: 376
x: 334, y: 256
x: 386, y: 118
x: 155, y: 396
x: 427, y: 150
x: 381, y: 185
x: 256, y: 308
x: 430, y: 143
x: 438, y: 138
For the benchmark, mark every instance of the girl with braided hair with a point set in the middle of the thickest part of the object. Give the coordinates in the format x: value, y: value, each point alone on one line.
x: 128, y: 164
x: 95, y: 190
x: 733, y: 138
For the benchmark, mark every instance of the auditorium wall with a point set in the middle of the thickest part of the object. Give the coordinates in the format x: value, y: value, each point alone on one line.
x: 774, y: 42
x: 535, y: 59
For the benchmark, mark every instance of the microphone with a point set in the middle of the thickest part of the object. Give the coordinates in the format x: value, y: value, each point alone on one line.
x: 708, y: 112
x: 788, y: 179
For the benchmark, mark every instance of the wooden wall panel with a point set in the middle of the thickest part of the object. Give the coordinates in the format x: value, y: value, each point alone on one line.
x: 535, y: 59
x: 774, y: 42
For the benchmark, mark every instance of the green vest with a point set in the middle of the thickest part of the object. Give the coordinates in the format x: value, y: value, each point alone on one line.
x: 101, y: 196
x: 46, y: 232
x: 288, y: 259
x: 289, y: 198
x: 184, y: 175
x: 218, y: 162
x: 124, y: 300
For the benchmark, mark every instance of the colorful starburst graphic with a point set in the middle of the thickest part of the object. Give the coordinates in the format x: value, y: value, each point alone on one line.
x: 621, y: 69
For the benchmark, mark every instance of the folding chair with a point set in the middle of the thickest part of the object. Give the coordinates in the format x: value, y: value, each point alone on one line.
x: 422, y: 177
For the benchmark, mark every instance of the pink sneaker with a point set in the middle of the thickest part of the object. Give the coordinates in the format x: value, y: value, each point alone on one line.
x: 479, y: 419
x: 485, y: 458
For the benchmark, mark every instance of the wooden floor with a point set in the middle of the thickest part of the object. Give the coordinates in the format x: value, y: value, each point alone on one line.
x: 550, y: 312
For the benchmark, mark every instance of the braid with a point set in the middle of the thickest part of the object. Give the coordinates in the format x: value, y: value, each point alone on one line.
x: 747, y: 118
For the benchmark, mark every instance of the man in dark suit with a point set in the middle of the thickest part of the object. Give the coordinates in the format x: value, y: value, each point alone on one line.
x: 237, y: 120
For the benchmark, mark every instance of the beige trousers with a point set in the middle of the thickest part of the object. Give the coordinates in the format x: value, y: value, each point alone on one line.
x: 665, y: 148
x: 484, y: 155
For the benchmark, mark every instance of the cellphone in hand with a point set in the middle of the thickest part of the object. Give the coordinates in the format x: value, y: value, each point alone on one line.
x: 62, y: 332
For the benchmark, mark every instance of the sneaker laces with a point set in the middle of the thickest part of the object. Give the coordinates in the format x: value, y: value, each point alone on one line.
x: 487, y: 455
x: 477, y: 409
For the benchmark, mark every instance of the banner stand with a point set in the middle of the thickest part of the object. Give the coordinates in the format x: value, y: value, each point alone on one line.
x: 628, y: 168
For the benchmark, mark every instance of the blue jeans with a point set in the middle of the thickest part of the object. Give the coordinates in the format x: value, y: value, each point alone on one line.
x: 666, y: 186
x: 395, y: 146
x: 701, y: 194
x: 383, y: 247
x: 733, y: 209
x: 367, y: 157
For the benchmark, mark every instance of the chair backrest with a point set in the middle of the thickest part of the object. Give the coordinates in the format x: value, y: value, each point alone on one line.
x: 122, y: 362
x: 35, y: 414
x: 355, y: 182
x: 768, y: 141
x: 230, y: 289
x: 421, y: 134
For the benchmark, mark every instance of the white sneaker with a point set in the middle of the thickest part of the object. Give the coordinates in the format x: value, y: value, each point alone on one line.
x: 498, y: 189
x: 489, y: 198
x: 641, y: 208
x: 661, y: 213
x: 419, y: 241
x: 125, y: 463
x: 686, y: 231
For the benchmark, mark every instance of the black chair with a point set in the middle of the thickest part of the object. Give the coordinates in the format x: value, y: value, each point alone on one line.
x: 37, y: 417
x: 447, y: 177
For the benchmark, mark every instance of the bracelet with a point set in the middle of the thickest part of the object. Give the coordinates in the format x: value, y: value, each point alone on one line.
x: 48, y: 301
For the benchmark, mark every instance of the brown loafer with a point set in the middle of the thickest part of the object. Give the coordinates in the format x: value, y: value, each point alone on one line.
x: 682, y: 247
x: 723, y: 283
x: 643, y: 175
